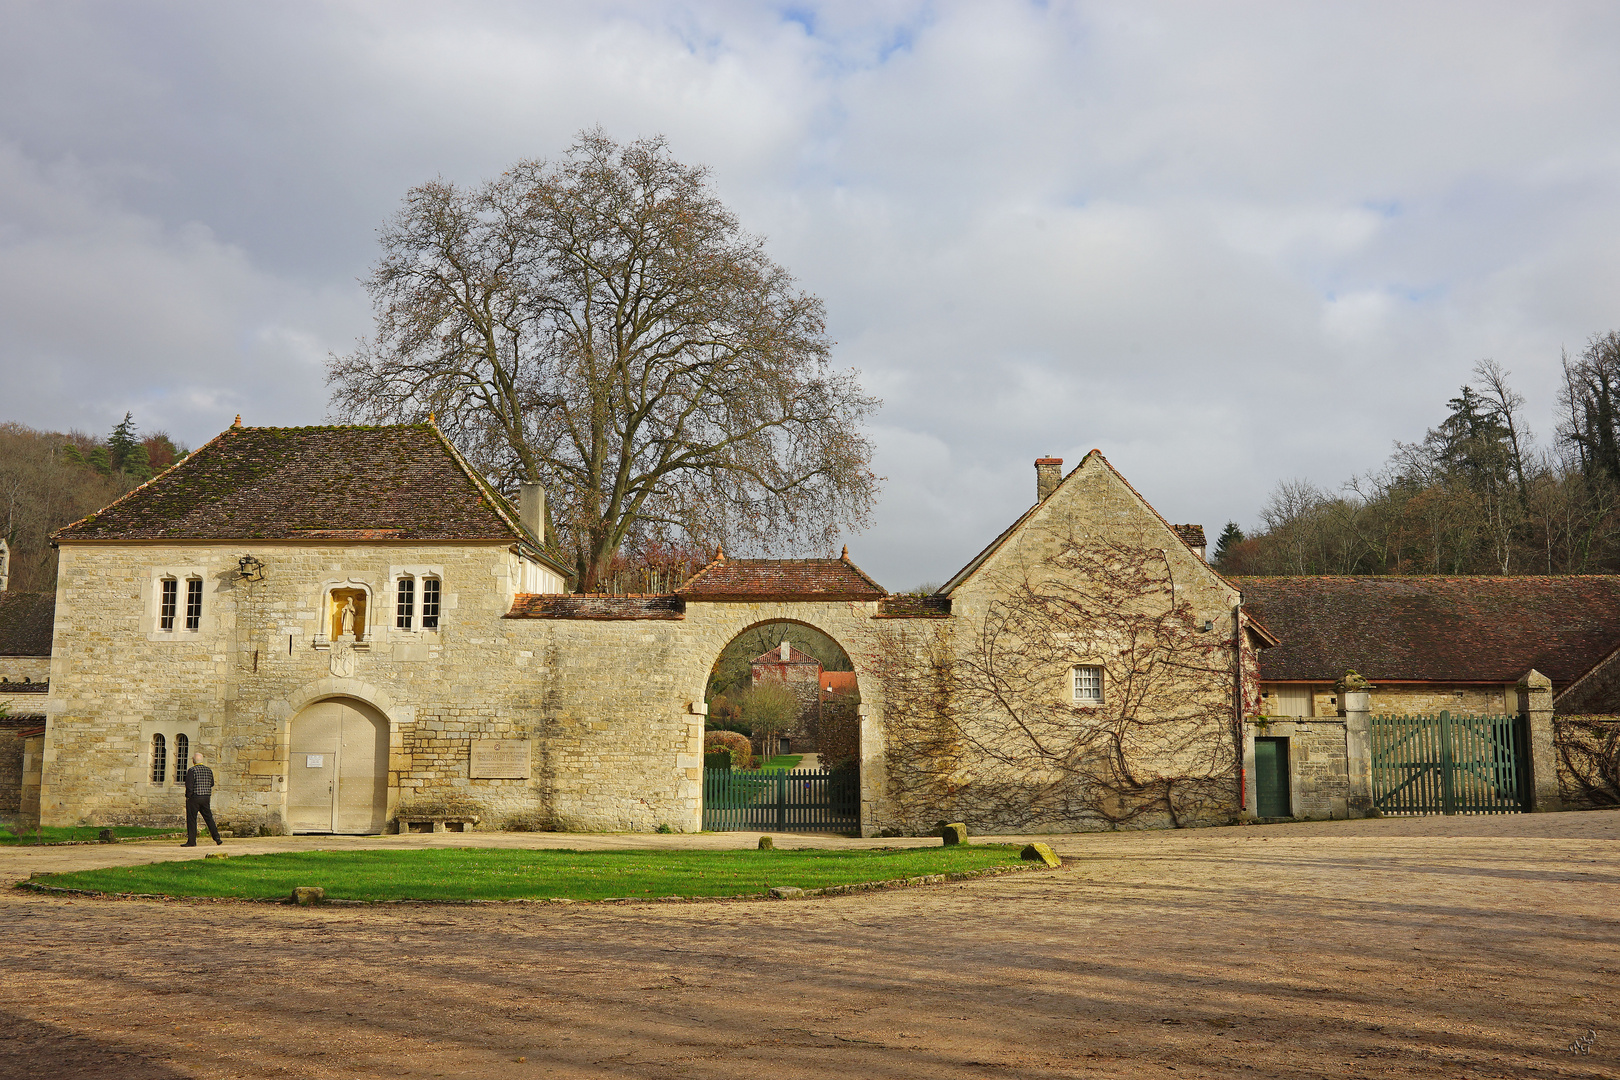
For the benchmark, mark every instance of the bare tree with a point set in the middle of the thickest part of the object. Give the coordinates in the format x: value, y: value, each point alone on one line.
x: 984, y: 725
x: 602, y: 325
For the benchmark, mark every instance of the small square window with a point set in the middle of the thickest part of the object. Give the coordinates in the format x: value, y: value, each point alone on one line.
x: 168, y: 602
x: 193, y: 603
x: 1088, y: 685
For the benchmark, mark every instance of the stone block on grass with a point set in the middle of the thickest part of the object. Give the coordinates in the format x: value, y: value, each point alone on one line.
x: 953, y: 833
x: 308, y: 896
x: 1038, y: 852
x: 767, y: 844
x: 786, y: 892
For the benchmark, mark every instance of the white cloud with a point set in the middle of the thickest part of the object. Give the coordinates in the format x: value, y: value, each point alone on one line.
x: 1226, y: 243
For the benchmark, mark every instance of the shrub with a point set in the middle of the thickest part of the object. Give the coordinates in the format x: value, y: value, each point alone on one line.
x: 737, y: 745
x: 723, y: 713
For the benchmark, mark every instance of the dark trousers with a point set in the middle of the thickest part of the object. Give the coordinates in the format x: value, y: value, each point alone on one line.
x: 195, y: 806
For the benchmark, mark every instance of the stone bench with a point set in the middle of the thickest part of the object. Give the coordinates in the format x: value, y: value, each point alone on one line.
x: 436, y: 823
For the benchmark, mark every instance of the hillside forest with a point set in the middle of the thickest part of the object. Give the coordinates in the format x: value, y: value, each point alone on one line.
x: 1478, y: 494
x: 49, y: 479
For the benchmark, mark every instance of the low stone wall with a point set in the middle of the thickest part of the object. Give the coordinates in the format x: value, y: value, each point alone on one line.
x: 1588, y: 760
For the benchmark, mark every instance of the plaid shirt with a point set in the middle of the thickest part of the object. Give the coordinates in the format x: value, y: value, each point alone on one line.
x: 199, y: 782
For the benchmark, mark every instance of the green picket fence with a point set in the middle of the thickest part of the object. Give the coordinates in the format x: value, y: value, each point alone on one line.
x: 1448, y: 764
x: 803, y: 800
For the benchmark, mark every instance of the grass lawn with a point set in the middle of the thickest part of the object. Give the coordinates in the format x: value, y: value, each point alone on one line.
x: 503, y: 874
x: 56, y: 834
x: 781, y: 763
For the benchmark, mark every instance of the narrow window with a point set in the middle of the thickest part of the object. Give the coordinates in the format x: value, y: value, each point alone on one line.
x: 168, y: 600
x: 406, y: 607
x: 182, y: 755
x: 430, y: 603
x: 160, y: 759
x: 1087, y: 685
x: 193, y: 603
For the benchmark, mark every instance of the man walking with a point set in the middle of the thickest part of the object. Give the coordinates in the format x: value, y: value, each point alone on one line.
x: 199, y: 794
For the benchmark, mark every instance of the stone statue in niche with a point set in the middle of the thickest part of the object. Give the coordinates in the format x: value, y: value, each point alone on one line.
x: 346, y: 614
x: 346, y: 617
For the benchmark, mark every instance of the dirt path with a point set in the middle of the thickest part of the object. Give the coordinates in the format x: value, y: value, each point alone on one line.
x: 1443, y: 948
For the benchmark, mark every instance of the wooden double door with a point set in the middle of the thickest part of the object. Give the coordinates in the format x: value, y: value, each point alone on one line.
x: 338, y: 773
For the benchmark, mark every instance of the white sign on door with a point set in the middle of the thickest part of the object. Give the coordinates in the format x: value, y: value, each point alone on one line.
x: 314, y: 761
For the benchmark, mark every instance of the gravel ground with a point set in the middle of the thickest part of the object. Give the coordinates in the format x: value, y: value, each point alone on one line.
x: 1473, y: 947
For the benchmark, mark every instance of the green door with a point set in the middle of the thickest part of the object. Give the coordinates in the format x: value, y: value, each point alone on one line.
x: 1271, y: 777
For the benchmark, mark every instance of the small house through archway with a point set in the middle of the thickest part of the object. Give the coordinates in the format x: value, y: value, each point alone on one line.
x: 791, y: 692
x: 337, y: 778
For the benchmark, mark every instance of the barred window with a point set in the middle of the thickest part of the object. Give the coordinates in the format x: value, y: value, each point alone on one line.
x: 168, y: 600
x: 405, y: 607
x: 1088, y: 685
x: 182, y: 756
x: 430, y: 603
x: 193, y: 603
x: 160, y: 759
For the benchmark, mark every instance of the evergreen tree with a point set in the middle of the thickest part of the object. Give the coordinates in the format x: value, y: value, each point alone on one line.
x: 121, y: 442
x: 1230, y: 537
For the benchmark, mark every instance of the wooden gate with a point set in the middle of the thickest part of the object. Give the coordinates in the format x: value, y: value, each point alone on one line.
x: 1448, y: 764
x: 805, y: 800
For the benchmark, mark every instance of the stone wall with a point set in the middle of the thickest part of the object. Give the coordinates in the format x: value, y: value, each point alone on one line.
x: 25, y: 668
x: 1588, y: 749
x: 11, y: 770
x: 1319, y: 774
x: 1419, y: 698
x: 613, y: 706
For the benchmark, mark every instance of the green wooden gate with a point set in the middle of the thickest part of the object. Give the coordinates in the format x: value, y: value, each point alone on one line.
x: 1448, y: 764
x: 805, y: 800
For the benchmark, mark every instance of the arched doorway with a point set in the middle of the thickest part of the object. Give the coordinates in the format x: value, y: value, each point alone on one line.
x: 338, y: 773
x: 789, y: 689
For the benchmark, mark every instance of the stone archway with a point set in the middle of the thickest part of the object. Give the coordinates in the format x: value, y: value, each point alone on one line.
x: 710, y: 625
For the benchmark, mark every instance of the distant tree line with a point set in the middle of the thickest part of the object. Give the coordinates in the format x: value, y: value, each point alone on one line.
x: 49, y: 479
x: 1476, y: 495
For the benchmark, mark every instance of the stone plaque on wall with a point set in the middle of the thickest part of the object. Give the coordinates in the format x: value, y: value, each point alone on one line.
x: 500, y: 759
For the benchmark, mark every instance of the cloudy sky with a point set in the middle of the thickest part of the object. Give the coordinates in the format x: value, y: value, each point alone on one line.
x: 1227, y: 243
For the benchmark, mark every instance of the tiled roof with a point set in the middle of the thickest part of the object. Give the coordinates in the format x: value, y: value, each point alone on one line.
x: 594, y: 606
x: 1191, y: 535
x: 402, y: 482
x: 1435, y: 629
x: 788, y: 579
x: 914, y: 607
x: 838, y: 682
x: 27, y: 622
x: 25, y: 687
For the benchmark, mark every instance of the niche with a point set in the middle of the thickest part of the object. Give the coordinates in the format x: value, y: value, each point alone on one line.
x: 347, y: 614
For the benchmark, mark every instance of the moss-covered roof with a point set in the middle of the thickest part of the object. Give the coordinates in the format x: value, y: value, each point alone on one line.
x: 369, y: 484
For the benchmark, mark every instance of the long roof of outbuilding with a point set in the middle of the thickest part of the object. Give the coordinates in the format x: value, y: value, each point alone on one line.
x: 357, y: 483
x: 1435, y: 629
x: 27, y: 623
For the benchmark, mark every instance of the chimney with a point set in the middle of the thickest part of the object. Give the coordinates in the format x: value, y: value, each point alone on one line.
x: 1048, y: 474
x: 1193, y: 537
x: 787, y: 652
x: 532, y: 510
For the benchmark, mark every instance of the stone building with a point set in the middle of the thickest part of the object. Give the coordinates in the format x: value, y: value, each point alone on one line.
x: 359, y: 631
x: 801, y: 674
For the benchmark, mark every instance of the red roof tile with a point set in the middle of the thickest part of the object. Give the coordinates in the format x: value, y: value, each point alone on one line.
x: 788, y: 579
x: 795, y: 656
x: 1435, y: 629
x: 838, y: 682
